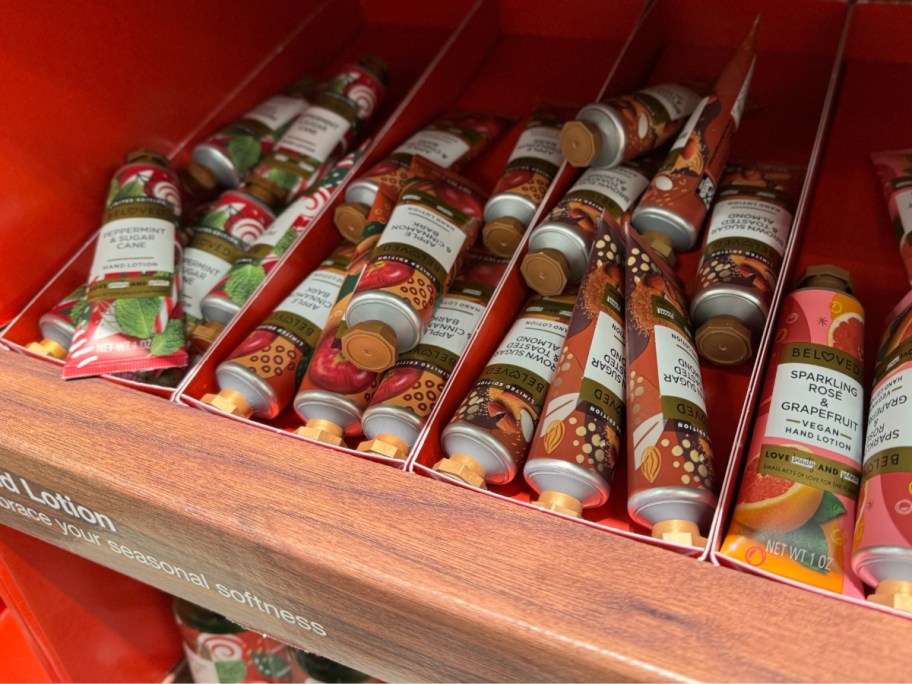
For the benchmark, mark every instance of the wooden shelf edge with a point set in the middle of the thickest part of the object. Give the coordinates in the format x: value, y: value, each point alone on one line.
x: 409, y: 578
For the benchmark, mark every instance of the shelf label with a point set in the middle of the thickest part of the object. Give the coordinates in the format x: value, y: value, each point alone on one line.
x: 21, y: 497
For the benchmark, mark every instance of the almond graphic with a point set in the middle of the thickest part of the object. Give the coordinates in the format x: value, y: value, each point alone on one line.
x: 553, y: 435
x: 652, y: 462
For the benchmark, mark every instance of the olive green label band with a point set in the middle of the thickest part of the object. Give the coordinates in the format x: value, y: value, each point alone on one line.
x: 900, y: 355
x: 744, y: 246
x: 297, y: 329
x: 539, y: 166
x: 823, y: 357
x: 218, y: 243
x: 413, y: 256
x: 555, y: 309
x: 655, y: 108
x: 897, y: 460
x: 663, y: 310
x: 430, y: 357
x: 134, y: 287
x: 529, y: 386
x: 140, y: 207
x: 614, y: 301
x: 604, y: 402
x: 687, y: 412
x: 809, y: 469
x: 339, y: 104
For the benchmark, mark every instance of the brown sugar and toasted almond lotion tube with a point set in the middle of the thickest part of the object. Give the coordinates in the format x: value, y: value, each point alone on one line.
x: 742, y: 254
x: 671, y: 473
x: 450, y: 141
x: 409, y: 390
x: 559, y: 246
x: 882, y: 551
x: 573, y: 456
x: 261, y: 375
x: 435, y: 222
x: 532, y: 166
x: 58, y: 325
x: 682, y: 191
x: 489, y: 435
x: 334, y: 392
x: 796, y: 502
x: 608, y: 133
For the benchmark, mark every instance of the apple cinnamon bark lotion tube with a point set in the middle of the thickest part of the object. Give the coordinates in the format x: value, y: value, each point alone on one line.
x: 573, y: 456
x: 882, y: 550
x: 608, y: 133
x: 449, y: 141
x: 488, y: 438
x: 334, y: 392
x: 682, y: 191
x: 409, y: 390
x: 795, y: 506
x: 742, y: 254
x: 672, y: 488
x: 532, y: 166
x: 559, y: 246
x: 435, y: 222
x: 261, y: 375
x: 225, y: 299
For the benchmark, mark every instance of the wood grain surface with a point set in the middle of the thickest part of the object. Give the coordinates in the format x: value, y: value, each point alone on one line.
x: 409, y: 578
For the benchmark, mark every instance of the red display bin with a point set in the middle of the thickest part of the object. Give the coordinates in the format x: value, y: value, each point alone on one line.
x: 71, y: 620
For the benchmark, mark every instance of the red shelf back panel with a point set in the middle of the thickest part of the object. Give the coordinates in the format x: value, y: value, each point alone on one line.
x: 84, y: 622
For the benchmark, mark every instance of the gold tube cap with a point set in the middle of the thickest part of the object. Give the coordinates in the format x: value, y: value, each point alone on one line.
x: 463, y: 468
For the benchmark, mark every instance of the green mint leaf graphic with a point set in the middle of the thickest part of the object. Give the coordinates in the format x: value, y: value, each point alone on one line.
x: 79, y: 309
x: 285, y: 242
x: 830, y: 507
x: 231, y: 671
x: 271, y: 665
x: 170, y: 341
x: 244, y: 151
x: 215, y: 219
x: 113, y: 187
x: 809, y: 545
x: 243, y: 282
x: 136, y: 317
x: 135, y: 188
x: 284, y: 179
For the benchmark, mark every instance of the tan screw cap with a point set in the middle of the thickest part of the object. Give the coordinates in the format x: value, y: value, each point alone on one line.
x: 322, y: 431
x: 197, y: 180
x: 546, y: 271
x: 679, y: 532
x: 147, y: 154
x: 350, y: 219
x: 580, y: 142
x: 463, y: 468
x: 724, y: 340
x: 230, y: 402
x: 827, y: 275
x: 204, y: 335
x: 502, y: 235
x: 371, y: 345
x: 661, y: 245
x: 386, y: 445
x: 560, y: 503
x: 896, y: 594
x: 48, y: 347
x: 266, y: 191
